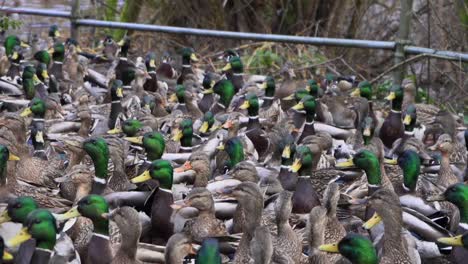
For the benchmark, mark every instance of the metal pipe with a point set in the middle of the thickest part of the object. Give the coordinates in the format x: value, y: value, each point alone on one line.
x: 444, y: 53
x: 35, y: 11
x: 352, y: 43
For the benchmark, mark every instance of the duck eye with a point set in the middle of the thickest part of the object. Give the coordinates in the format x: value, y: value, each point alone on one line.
x: 37, y: 221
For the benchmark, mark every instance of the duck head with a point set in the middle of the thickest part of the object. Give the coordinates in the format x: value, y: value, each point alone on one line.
x: 131, y: 127
x: 124, y: 44
x: 18, y: 209
x: 54, y: 31
x: 153, y: 143
x: 269, y: 86
x: 251, y: 104
x: 396, y: 97
x: 40, y: 224
x: 42, y: 73
x: 444, y: 144
x: 160, y: 170
x: 356, y: 248
x: 302, y: 161
x: 43, y: 56
x: 364, y: 89
x: 225, y: 89
x: 387, y: 208
x: 308, y: 104
x: 367, y: 129
x: 98, y: 150
x: 313, y: 88
x: 150, y: 61
x: 37, y: 108
x: 207, y: 122
x: 179, y: 95
x: 367, y: 161
x: 5, y: 156
x: 208, y: 83
x: 58, y: 52
x: 188, y: 56
x: 235, y: 65
x: 184, y: 133
x: 148, y: 102
x: 410, y: 117
x: 13, y: 46
x: 458, y: 195
x: 116, y: 90
x: 201, y: 199
x: 93, y: 207
x: 235, y: 151
x: 288, y: 150
x: 410, y: 164
x: 30, y: 80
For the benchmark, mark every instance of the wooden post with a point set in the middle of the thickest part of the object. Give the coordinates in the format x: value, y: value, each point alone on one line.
x: 75, y: 14
x: 402, y: 39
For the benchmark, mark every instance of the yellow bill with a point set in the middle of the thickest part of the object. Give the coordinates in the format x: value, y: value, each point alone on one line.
x: 114, y: 131
x: 356, y: 92
x: 452, y: 241
x: 51, y: 50
x: 5, y: 217
x: 152, y: 63
x: 39, y: 137
x: 119, y: 92
x: 13, y: 157
x: 299, y: 106
x: 193, y: 57
x: 57, y: 33
x: 73, y: 212
x: 345, y: 164
x: 407, y: 120
x: 373, y: 221
x: 263, y: 86
x: 145, y: 176
x: 296, y: 165
x: 19, y: 238
x: 220, y: 147
x: 227, y: 67
x: 7, y: 256
x: 245, y: 105
x: 204, y: 127
x: 26, y: 112
x: 208, y: 91
x: 286, y: 152
x: 24, y: 45
x: 391, y: 96
x: 177, y: 135
x: 214, y: 128
x: 366, y: 132
x: 45, y: 74
x: 331, y: 248
x: 15, y: 55
x: 36, y: 80
x: 136, y: 140
x: 289, y: 97
x: 391, y: 161
x: 307, y: 88
x: 173, y: 98
x: 121, y: 42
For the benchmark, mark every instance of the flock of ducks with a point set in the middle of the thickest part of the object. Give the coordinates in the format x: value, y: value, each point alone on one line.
x: 110, y: 158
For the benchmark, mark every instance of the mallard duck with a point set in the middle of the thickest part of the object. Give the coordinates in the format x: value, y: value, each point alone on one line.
x: 305, y: 196
x: 425, y: 112
x: 188, y: 56
x: 234, y: 70
x: 177, y: 248
x: 254, y: 130
x: 116, y: 94
x: 58, y: 56
x: 158, y: 205
x: 184, y: 134
x: 30, y: 81
x: 392, y: 128
x: 125, y: 217
x: 18, y: 209
x: 209, y: 252
x: 205, y: 103
x: 457, y: 195
x: 235, y: 150
x: 186, y: 102
x: 355, y: 248
x: 308, y: 104
x: 205, y: 225
x: 124, y: 69
x: 93, y: 207
x: 151, y: 85
x: 13, y: 51
x: 387, y: 208
x: 225, y: 89
x: 199, y: 162
x: 207, y: 123
x: 298, y: 116
x: 446, y: 177
x: 40, y: 225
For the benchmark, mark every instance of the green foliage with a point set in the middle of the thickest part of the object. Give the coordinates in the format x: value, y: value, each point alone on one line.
x: 383, y: 89
x: 264, y: 59
x: 7, y: 23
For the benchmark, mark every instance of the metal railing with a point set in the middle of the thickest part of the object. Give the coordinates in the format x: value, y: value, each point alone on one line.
x: 350, y: 43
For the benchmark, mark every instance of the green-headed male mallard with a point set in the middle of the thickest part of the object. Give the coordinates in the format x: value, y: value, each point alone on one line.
x: 18, y: 209
x: 392, y: 128
x: 225, y: 89
x: 308, y: 104
x: 58, y: 56
x: 40, y: 224
x: 30, y: 81
x: 184, y: 134
x: 234, y: 70
x: 205, y: 103
x: 355, y: 248
x: 188, y: 56
x: 13, y: 47
x: 235, y: 151
x: 254, y: 130
x: 94, y: 207
x: 116, y: 95
x: 158, y: 205
x: 209, y: 252
x: 151, y: 85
